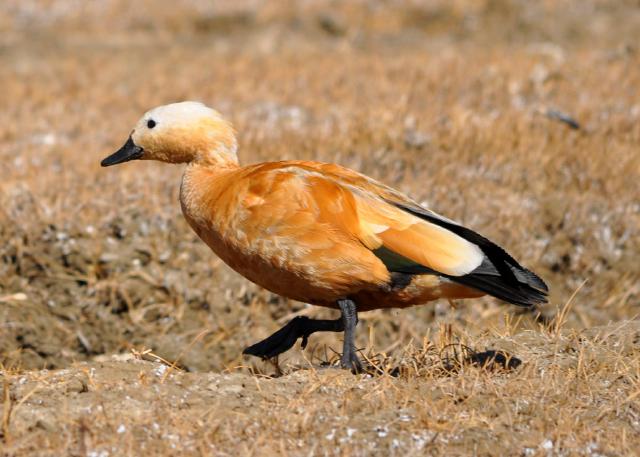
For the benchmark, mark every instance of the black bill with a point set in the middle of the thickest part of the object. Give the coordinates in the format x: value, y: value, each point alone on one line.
x: 127, y: 152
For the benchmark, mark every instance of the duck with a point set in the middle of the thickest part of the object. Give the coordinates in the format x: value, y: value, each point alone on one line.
x: 320, y: 233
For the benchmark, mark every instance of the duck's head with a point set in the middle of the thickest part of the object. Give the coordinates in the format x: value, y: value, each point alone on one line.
x: 179, y: 133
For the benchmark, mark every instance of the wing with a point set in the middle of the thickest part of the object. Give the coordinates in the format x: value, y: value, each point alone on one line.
x: 339, y: 201
x: 411, y: 239
x: 343, y: 209
x: 408, y: 244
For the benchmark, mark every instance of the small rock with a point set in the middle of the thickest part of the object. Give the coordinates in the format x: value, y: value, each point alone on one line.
x: 77, y: 385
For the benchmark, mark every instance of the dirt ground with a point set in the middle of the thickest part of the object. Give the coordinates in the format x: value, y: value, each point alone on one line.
x: 121, y: 333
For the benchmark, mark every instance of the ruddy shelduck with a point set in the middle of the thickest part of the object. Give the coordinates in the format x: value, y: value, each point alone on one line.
x: 320, y: 233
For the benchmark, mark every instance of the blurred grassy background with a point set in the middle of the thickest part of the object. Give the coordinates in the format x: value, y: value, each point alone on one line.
x: 449, y: 101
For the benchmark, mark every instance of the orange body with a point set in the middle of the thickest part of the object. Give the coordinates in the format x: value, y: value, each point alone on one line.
x: 302, y: 230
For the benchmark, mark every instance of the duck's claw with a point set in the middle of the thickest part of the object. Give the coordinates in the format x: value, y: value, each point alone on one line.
x: 281, y: 341
x: 350, y: 361
x: 284, y: 339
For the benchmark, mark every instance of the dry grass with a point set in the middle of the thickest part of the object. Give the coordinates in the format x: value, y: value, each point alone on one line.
x: 576, y: 394
x: 449, y: 101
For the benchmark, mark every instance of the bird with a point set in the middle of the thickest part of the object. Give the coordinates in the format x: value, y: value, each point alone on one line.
x: 320, y: 233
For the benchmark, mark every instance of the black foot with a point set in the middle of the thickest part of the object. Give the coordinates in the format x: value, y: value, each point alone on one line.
x: 284, y: 339
x: 301, y: 327
x: 279, y: 342
x: 351, y: 362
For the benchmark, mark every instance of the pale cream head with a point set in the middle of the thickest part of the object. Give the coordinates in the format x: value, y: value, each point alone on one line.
x: 180, y: 133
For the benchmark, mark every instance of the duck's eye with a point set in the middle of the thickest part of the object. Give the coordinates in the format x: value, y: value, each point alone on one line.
x: 151, y: 123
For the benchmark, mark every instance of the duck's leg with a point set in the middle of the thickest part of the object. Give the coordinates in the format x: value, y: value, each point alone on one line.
x: 301, y: 327
x: 284, y: 339
x: 349, y: 359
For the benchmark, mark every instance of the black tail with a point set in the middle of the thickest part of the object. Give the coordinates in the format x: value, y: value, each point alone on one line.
x: 527, y: 289
x: 499, y: 275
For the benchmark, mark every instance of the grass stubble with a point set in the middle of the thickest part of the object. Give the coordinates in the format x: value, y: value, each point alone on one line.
x: 121, y: 334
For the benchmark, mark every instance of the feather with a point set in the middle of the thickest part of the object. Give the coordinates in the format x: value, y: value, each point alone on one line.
x: 499, y: 274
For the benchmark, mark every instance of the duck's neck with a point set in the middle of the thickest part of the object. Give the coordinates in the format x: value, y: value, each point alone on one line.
x: 221, y: 155
x: 202, y: 184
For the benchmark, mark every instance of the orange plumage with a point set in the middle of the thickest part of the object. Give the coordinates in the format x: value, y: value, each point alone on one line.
x: 307, y: 231
x: 320, y: 233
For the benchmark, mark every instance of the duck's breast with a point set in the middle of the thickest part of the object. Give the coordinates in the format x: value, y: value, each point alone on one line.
x: 267, y: 224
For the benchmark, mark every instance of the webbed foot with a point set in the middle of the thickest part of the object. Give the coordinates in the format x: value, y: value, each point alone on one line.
x: 284, y: 339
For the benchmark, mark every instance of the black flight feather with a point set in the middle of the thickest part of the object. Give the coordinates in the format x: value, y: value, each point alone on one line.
x: 499, y: 275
